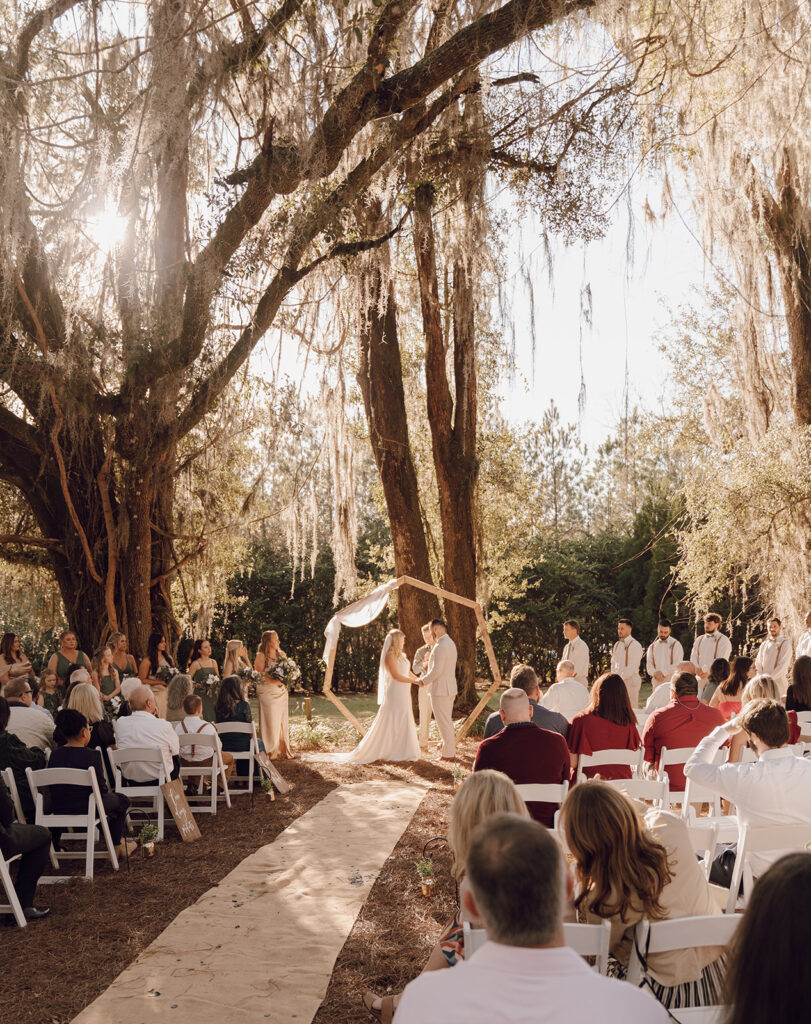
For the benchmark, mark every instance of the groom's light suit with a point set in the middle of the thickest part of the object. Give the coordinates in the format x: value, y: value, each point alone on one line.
x: 440, y: 681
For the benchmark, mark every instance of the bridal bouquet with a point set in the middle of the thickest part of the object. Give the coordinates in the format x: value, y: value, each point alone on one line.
x: 286, y: 672
x: 250, y: 677
x: 166, y: 673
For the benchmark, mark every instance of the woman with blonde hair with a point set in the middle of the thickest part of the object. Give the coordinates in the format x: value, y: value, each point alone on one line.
x: 84, y: 697
x: 180, y: 686
x: 629, y: 868
x: 760, y: 687
x: 481, y: 795
x: 122, y: 659
x: 274, y: 714
x: 236, y: 658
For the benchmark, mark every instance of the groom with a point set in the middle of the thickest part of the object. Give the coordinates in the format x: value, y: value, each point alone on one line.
x: 440, y: 681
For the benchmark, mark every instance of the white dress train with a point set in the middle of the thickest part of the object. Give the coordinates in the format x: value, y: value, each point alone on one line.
x: 392, y: 736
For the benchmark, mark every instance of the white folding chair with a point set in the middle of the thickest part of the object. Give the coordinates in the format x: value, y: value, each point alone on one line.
x: 641, y: 719
x: 772, y: 839
x: 590, y: 940
x: 105, y: 765
x: 14, y: 793
x: 726, y: 825
x: 704, y: 838
x: 82, y: 826
x: 13, y: 905
x: 680, y: 756
x: 543, y: 792
x: 804, y: 721
x: 213, y: 771
x: 628, y: 758
x: 140, y: 791
x: 655, y: 791
x: 680, y: 933
x: 249, y: 755
x: 474, y: 938
x: 697, y: 1014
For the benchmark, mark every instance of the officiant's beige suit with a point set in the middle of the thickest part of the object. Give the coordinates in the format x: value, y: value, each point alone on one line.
x: 440, y: 681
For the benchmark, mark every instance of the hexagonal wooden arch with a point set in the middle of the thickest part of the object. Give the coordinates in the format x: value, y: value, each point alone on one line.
x: 465, y: 727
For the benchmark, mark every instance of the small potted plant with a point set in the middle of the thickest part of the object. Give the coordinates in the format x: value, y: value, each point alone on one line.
x: 425, y: 869
x: 457, y: 777
x: 147, y: 837
x: 267, y: 787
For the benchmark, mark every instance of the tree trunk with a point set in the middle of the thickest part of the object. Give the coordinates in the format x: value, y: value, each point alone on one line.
x: 452, y: 420
x: 380, y: 376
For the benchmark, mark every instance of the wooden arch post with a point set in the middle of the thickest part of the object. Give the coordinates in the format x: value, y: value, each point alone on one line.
x: 465, y: 727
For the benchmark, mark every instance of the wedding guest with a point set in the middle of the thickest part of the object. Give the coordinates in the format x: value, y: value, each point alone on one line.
x: 232, y: 707
x: 37, y: 700
x: 661, y: 696
x: 203, y: 667
x: 774, y: 655
x: 576, y: 651
x: 75, y: 753
x: 626, y: 656
x: 709, y: 645
x: 480, y: 797
x: 524, y: 678
x: 14, y: 754
x: 50, y: 692
x: 608, y: 723
x: 33, y: 843
x: 682, y: 723
x: 629, y: 868
x: 26, y: 722
x: 517, y: 885
x: 105, y: 675
x: 804, y: 643
x: 766, y: 979
x: 122, y: 659
x: 774, y: 790
x: 761, y: 688
x: 192, y: 724
x: 85, y: 699
x: 719, y: 671
x: 566, y: 695
x: 68, y: 655
x: 798, y: 695
x: 525, y: 753
x: 419, y: 666
x: 236, y: 658
x: 13, y: 662
x: 129, y: 684
x: 727, y: 698
x: 157, y: 658
x: 273, y: 698
x: 664, y: 654
x: 77, y: 675
x: 144, y: 728
x: 180, y: 686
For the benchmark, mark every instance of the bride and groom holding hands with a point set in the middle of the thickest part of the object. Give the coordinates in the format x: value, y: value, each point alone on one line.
x: 392, y: 736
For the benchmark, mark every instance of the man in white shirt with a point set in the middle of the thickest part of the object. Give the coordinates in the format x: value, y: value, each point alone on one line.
x: 567, y: 695
x: 27, y: 723
x: 418, y: 666
x: 143, y: 728
x: 576, y: 651
x: 709, y: 645
x: 516, y: 883
x: 664, y: 655
x: 774, y: 656
x: 440, y: 679
x: 625, y: 660
x: 774, y: 790
x: 804, y: 643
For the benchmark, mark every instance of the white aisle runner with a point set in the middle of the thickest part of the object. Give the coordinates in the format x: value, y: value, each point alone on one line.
x: 259, y: 948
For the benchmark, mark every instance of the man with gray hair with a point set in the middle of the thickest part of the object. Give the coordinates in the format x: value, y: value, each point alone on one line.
x: 143, y: 728
x: 524, y: 677
x: 517, y: 885
x: 566, y: 695
x: 527, y: 754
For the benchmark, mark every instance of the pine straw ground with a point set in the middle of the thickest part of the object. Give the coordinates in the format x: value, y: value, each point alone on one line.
x: 52, y: 969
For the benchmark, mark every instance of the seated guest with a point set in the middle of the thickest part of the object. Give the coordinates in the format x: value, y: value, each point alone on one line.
x: 180, y: 686
x: 73, y: 799
x: 50, y: 692
x: 481, y: 795
x: 76, y: 676
x: 192, y: 724
x: 14, y: 754
x: 129, y: 684
x: 37, y: 702
x: 774, y: 790
x: 85, y: 698
x: 143, y: 728
x: 765, y: 978
x: 525, y: 753
x: 628, y: 869
x: 566, y: 696
x: 231, y: 706
x: 27, y: 723
x: 798, y: 696
x: 517, y: 885
x: 33, y: 842
x: 608, y: 723
x: 727, y: 698
x: 524, y: 678
x: 682, y: 723
x: 661, y: 696
x: 761, y: 688
x: 719, y: 671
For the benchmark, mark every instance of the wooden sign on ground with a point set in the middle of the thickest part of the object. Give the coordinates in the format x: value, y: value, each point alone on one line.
x: 270, y: 771
x: 179, y: 806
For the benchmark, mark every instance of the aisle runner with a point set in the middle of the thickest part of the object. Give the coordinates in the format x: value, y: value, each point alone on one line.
x: 259, y: 948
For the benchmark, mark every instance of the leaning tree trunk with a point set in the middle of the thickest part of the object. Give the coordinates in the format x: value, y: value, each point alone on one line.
x: 380, y: 377
x: 452, y: 420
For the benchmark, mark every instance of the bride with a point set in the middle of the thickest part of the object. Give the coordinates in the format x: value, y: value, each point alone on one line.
x: 392, y: 736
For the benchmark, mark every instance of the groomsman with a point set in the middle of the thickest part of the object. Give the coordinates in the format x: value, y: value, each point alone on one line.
x: 709, y: 645
x: 625, y: 659
x: 774, y: 656
x: 576, y: 651
x: 418, y: 666
x: 664, y: 654
x: 804, y: 643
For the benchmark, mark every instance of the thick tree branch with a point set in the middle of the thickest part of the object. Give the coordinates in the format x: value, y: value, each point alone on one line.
x: 37, y: 21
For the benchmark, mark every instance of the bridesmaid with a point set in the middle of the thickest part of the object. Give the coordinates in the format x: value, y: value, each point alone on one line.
x: 201, y: 666
x: 122, y: 659
x: 272, y: 696
x: 156, y: 657
x: 13, y: 662
x: 105, y: 676
x: 67, y: 656
x: 236, y: 658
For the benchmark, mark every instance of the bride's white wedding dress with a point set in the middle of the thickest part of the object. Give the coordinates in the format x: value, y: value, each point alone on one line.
x: 392, y: 736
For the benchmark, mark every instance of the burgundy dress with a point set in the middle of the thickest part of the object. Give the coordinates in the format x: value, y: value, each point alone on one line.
x: 589, y: 733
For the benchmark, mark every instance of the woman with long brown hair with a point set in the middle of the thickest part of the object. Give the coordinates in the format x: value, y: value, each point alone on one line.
x: 629, y: 868
x: 13, y: 661
x: 608, y: 723
x: 727, y: 698
x: 798, y: 697
x: 274, y: 720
